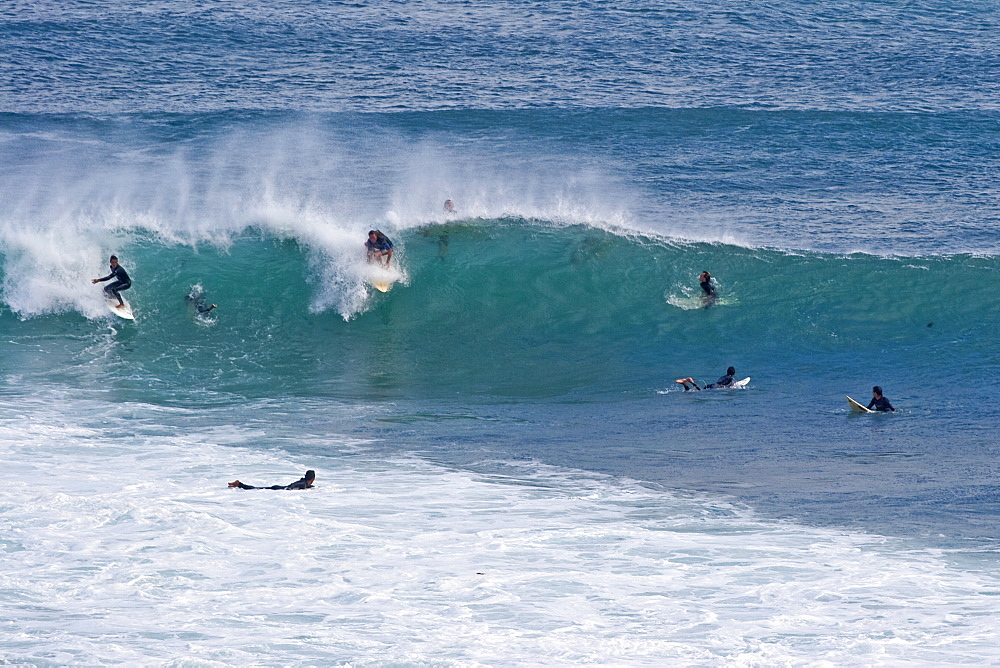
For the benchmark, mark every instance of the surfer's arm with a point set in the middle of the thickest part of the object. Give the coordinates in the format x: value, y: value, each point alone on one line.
x: 118, y: 273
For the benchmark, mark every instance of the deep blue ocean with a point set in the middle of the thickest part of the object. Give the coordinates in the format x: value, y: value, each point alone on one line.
x: 507, y: 473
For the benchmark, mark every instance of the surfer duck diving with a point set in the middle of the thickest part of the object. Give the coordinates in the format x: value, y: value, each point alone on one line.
x: 196, y: 298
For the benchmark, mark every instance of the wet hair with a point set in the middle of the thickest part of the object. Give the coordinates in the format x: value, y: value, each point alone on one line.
x: 877, y: 390
x: 310, y: 475
x: 731, y: 371
x: 113, y: 257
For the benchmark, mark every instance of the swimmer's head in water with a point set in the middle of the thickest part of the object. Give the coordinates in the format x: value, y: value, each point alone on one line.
x: 731, y: 371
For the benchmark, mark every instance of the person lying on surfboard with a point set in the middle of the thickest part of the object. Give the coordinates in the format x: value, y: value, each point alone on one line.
x: 878, y: 402
x: 305, y: 482
x: 378, y: 246
x: 725, y: 381
x: 122, y: 282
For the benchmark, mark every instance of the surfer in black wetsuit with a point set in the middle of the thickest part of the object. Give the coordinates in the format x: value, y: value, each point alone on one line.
x: 197, y: 299
x: 122, y: 282
x: 305, y: 482
x: 705, y: 279
x: 725, y: 381
x: 879, y: 402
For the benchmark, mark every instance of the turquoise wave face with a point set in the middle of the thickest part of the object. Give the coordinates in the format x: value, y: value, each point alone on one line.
x: 511, y: 308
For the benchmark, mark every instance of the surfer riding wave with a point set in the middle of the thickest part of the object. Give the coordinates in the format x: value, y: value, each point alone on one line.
x: 122, y: 282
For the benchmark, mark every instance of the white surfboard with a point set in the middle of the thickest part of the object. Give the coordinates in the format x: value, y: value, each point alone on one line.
x: 858, y: 407
x: 382, y: 278
x: 123, y: 312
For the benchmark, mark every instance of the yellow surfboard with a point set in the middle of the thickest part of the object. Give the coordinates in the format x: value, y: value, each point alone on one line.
x: 858, y: 407
x: 382, y: 278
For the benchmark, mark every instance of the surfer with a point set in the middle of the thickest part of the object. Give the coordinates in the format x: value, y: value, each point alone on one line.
x: 449, y: 206
x: 879, y: 402
x: 197, y: 299
x: 305, y: 482
x: 378, y: 246
x: 705, y: 279
x: 122, y: 282
x: 725, y: 381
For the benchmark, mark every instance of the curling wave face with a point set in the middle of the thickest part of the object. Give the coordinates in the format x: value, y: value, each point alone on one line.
x: 511, y: 307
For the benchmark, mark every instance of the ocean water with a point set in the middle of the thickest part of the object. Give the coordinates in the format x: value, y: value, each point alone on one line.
x: 507, y: 473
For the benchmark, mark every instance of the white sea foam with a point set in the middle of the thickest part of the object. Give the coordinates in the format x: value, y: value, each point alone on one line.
x: 122, y: 544
x: 66, y: 215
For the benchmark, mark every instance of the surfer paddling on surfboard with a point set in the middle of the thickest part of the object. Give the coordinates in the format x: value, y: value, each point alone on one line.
x: 122, y: 282
x: 379, y: 246
x: 724, y: 382
x: 305, y: 482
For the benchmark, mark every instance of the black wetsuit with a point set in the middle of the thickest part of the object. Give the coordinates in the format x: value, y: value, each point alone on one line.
x: 880, y: 404
x: 122, y: 282
x: 708, y: 288
x: 199, y: 303
x: 298, y: 484
x: 725, y: 381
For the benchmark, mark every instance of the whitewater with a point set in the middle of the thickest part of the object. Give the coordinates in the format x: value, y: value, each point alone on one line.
x: 507, y: 473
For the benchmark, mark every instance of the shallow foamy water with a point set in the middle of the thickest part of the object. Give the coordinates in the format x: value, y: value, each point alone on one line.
x: 131, y: 549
